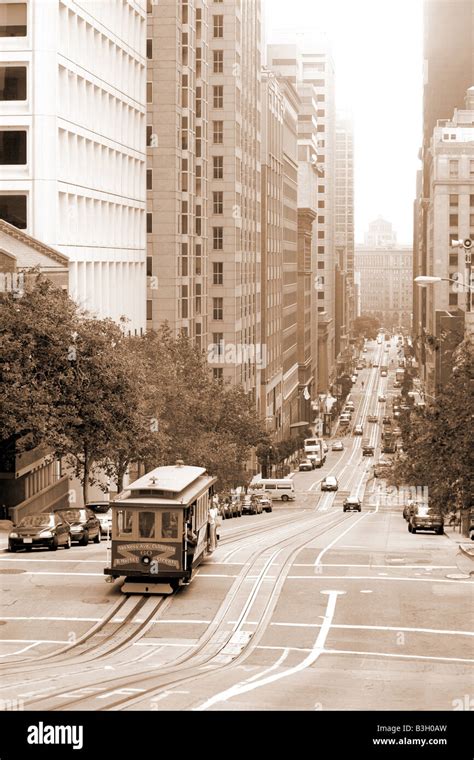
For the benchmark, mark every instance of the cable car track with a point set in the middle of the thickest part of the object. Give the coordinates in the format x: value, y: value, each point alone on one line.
x: 200, y: 657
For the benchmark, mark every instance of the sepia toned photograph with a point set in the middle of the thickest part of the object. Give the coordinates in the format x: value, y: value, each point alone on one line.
x: 236, y: 371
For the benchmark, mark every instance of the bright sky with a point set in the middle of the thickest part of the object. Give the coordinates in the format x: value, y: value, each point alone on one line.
x: 377, y: 49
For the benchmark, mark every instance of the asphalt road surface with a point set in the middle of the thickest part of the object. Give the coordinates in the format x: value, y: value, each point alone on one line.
x: 307, y: 608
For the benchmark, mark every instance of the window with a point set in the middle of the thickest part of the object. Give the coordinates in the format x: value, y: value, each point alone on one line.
x: 453, y: 299
x: 320, y: 248
x: 321, y: 188
x: 320, y: 234
x: 320, y: 295
x: 218, y: 344
x: 149, y: 179
x: 124, y: 521
x: 453, y: 168
x: 218, y: 96
x: 146, y: 524
x: 453, y: 259
x: 471, y: 201
x: 217, y: 238
x: 12, y: 19
x: 149, y: 49
x: 149, y: 222
x: 149, y: 310
x: 218, y: 26
x: 471, y: 168
x: 218, y: 202
x: 184, y: 301
x: 12, y: 147
x: 217, y: 132
x: 453, y: 220
x: 218, y: 167
x: 13, y: 210
x: 12, y: 82
x: 217, y: 273
x: 149, y: 135
x: 218, y: 308
x: 149, y: 6
x: 454, y: 200
x: 218, y: 62
x: 321, y: 264
x: 218, y: 373
x: 169, y: 524
x: 321, y: 204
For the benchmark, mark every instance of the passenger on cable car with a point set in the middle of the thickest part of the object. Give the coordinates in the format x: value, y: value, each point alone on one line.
x: 191, y: 541
x: 212, y: 520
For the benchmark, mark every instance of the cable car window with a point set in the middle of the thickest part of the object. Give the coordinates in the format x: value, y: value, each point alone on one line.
x: 146, y: 524
x: 169, y: 524
x: 125, y: 521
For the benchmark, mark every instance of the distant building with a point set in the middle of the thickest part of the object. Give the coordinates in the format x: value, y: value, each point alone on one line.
x: 344, y: 234
x: 385, y: 272
x: 31, y: 481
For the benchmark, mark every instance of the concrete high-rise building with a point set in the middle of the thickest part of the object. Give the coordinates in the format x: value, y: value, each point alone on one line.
x: 449, y: 71
x: 385, y: 274
x: 450, y: 217
x: 344, y: 230
x: 204, y: 201
x: 72, y: 143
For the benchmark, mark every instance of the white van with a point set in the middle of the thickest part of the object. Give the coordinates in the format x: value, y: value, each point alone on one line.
x: 277, y: 488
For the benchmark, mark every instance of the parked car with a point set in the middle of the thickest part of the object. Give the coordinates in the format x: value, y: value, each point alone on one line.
x: 426, y: 518
x: 397, y: 431
x: 386, y: 420
x: 251, y: 505
x: 350, y: 405
x: 266, y: 503
x: 344, y: 421
x: 354, y: 379
x: 383, y: 373
x: 381, y: 468
x: 352, y: 503
x: 375, y: 364
x: 397, y: 384
x: 103, y: 512
x: 358, y: 429
x: 382, y: 399
x: 305, y: 465
x: 45, y: 529
x: 235, y: 508
x: 84, y: 525
x: 372, y: 418
x: 408, y: 509
x: 329, y: 483
x: 337, y: 446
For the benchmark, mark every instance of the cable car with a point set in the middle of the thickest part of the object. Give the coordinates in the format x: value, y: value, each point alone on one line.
x: 161, y: 530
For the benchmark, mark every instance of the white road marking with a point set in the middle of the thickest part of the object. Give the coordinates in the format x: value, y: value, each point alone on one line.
x: 55, y: 561
x: 443, y: 631
x: 330, y: 545
x: 65, y: 619
x: 19, y: 651
x: 373, y: 578
x: 124, y: 692
x: 397, y: 567
x: 397, y: 655
x: 318, y: 649
x: 47, y: 572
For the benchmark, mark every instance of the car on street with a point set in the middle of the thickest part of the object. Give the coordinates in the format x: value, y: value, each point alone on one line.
x: 354, y: 379
x: 344, y: 421
x: 329, y: 483
x: 46, y: 529
x: 383, y: 373
x: 305, y: 465
x: 337, y: 446
x: 360, y: 366
x: 358, y: 430
x: 382, y: 399
x: 352, y: 503
x: 84, y: 524
x: 364, y: 350
x: 397, y: 431
x: 266, y: 504
x: 382, y: 468
x: 408, y: 509
x: 397, y: 384
x: 386, y: 420
x: 103, y: 512
x: 350, y: 405
x: 375, y: 364
x: 367, y: 449
x: 372, y: 418
x: 426, y: 518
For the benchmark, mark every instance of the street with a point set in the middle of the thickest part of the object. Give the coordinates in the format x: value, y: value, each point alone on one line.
x: 306, y: 608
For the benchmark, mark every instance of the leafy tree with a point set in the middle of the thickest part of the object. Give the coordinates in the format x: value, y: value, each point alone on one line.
x: 437, y: 441
x: 366, y: 325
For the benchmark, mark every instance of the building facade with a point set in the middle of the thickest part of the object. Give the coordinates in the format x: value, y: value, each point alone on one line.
x: 204, y: 184
x: 72, y: 143
x: 450, y: 217
x: 385, y: 274
x: 344, y: 231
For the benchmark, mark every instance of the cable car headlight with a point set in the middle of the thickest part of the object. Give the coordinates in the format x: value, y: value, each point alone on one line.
x: 146, y: 560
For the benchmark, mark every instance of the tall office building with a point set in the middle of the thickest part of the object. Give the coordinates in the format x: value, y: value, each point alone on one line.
x: 72, y: 143
x: 450, y: 217
x: 204, y: 183
x: 344, y: 231
x: 449, y: 72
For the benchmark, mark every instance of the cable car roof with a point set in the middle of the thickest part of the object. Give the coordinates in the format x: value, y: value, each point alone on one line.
x: 173, y: 478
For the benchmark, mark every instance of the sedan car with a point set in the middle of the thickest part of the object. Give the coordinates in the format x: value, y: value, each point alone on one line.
x: 329, y: 483
x: 397, y: 384
x: 367, y: 450
x: 354, y: 379
x: 375, y: 364
x: 44, y: 529
x: 358, y: 429
x: 352, y: 503
x: 425, y: 518
x: 266, y: 504
x: 364, y: 350
x: 337, y: 446
x: 305, y: 465
x: 382, y: 399
x: 84, y: 525
x: 103, y: 512
x: 372, y: 418
x: 383, y: 373
x: 350, y: 405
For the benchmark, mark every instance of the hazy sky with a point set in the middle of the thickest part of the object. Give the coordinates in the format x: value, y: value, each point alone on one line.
x: 377, y: 49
